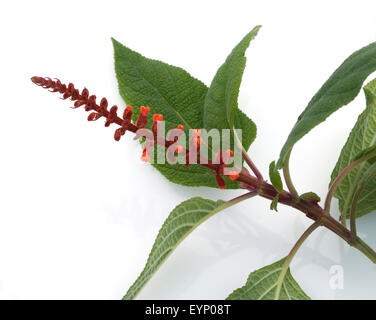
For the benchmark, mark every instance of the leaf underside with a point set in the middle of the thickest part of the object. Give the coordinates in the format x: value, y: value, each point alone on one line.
x: 340, y: 89
x: 262, y: 283
x: 177, y: 95
x: 181, y: 222
x: 362, y: 137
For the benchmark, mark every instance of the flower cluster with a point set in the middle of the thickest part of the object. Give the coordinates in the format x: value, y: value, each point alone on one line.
x: 89, y: 102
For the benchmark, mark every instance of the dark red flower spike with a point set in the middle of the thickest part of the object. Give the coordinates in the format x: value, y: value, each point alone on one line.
x: 125, y: 123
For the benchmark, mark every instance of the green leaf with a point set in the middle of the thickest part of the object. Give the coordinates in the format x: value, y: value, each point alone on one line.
x: 340, y: 89
x: 275, y: 177
x: 368, y: 176
x: 177, y: 95
x: 359, y: 144
x: 194, y: 175
x: 274, y: 203
x: 261, y: 285
x: 221, y: 100
x: 180, y: 223
x: 248, y: 127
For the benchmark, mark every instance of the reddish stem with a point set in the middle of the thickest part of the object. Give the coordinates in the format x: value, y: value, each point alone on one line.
x: 255, y: 184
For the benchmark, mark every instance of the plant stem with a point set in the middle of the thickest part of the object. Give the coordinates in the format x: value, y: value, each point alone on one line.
x: 311, y: 210
x: 353, y: 210
x: 243, y: 197
x: 365, y: 249
x: 287, y: 176
x: 251, y: 165
x: 334, y: 185
x: 339, y: 178
x: 291, y: 255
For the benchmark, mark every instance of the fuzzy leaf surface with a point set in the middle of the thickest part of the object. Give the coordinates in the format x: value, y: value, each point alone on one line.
x: 180, y: 223
x: 262, y: 283
x: 360, y: 141
x: 173, y: 92
x: 221, y: 101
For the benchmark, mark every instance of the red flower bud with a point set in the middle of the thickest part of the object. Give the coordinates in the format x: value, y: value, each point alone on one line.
x: 144, y: 110
x: 127, y: 115
x: 112, y: 115
x: 85, y: 93
x: 145, y: 156
x: 157, y: 117
x: 93, y: 116
x: 179, y: 149
x: 234, y: 175
x: 104, y: 104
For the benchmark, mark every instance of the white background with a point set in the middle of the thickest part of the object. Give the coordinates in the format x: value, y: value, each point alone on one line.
x: 79, y: 212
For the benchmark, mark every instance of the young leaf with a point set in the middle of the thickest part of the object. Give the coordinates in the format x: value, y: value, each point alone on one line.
x: 221, y: 100
x: 274, y: 203
x: 310, y: 197
x: 261, y: 285
x: 180, y: 223
x: 360, y: 142
x: 177, y: 95
x: 275, y: 177
x: 340, y: 89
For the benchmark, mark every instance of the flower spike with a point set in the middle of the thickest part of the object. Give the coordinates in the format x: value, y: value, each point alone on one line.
x: 125, y: 123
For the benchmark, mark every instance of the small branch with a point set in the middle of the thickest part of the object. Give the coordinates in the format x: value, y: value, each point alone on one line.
x: 335, y: 183
x: 243, y: 197
x: 247, y: 159
x: 352, y: 212
x: 287, y: 176
x: 291, y: 255
x: 251, y: 165
x: 338, y: 180
x: 365, y: 249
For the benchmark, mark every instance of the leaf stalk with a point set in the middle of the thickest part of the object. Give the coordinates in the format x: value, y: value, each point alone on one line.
x: 291, y: 255
x: 287, y: 176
